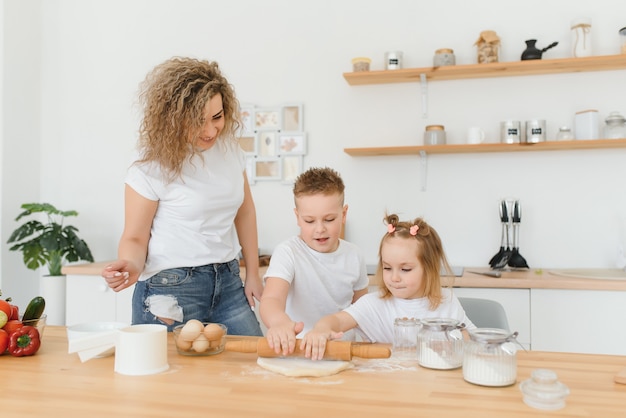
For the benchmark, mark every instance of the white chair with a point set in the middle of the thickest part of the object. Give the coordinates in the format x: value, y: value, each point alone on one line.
x: 485, y: 313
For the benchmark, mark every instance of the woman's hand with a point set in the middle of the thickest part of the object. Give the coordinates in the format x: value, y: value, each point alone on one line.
x: 120, y: 275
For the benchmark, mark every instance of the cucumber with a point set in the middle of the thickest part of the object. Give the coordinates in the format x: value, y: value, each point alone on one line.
x: 34, y: 309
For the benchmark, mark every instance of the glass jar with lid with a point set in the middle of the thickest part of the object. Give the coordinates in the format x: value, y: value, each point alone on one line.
x: 440, y: 343
x: 490, y: 357
x: 565, y: 134
x: 615, y: 126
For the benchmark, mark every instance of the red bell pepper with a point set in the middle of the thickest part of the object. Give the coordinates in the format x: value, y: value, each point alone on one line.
x: 24, y: 341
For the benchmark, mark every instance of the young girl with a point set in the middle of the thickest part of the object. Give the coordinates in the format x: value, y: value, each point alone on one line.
x: 411, y: 256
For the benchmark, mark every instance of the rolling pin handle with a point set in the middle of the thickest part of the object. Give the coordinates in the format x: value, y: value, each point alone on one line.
x: 243, y: 346
x: 369, y: 350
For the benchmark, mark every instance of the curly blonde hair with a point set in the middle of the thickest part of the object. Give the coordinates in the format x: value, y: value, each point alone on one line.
x: 430, y: 254
x: 174, y: 96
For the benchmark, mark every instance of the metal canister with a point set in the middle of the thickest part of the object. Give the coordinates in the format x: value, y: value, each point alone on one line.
x: 510, y: 132
x: 393, y: 60
x: 535, y: 131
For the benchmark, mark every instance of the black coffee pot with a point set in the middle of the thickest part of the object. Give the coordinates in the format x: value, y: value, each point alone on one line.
x: 532, y: 52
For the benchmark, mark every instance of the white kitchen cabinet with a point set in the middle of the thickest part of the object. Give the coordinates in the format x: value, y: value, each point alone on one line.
x: 89, y: 299
x: 578, y: 321
x: 516, y: 303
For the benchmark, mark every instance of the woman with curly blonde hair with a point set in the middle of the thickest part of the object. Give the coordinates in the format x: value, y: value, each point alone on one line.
x: 188, y: 207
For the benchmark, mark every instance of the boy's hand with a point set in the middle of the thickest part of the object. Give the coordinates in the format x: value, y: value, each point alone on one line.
x: 282, y: 338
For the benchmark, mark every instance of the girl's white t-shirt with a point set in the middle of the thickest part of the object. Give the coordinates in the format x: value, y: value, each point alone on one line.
x: 194, y: 222
x: 375, y: 316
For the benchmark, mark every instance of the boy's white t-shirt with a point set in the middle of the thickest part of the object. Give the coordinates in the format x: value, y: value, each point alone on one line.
x: 320, y: 283
x: 375, y: 316
x: 194, y: 222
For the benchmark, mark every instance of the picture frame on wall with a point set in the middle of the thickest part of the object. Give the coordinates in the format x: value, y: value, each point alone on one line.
x: 292, y: 120
x: 246, y: 113
x: 267, y: 119
x: 292, y: 168
x: 266, y: 143
x: 292, y: 143
x: 267, y: 169
x: 248, y: 143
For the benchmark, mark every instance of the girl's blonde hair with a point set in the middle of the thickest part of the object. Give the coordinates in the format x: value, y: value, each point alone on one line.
x: 429, y: 253
x: 174, y: 96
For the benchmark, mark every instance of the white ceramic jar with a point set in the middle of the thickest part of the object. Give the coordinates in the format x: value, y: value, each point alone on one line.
x: 581, y: 37
x: 587, y: 124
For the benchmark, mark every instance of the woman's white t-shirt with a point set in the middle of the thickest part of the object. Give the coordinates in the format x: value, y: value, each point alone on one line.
x: 194, y: 222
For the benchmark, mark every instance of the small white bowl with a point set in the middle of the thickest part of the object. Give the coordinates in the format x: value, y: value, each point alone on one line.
x: 93, y: 328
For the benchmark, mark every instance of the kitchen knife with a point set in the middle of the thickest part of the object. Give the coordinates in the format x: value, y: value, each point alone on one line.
x: 335, y: 350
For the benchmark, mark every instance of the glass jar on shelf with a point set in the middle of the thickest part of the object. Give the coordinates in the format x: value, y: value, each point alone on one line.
x: 615, y: 127
x: 565, y: 134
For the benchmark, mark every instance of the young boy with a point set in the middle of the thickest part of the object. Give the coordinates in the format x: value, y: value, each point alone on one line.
x: 315, y: 273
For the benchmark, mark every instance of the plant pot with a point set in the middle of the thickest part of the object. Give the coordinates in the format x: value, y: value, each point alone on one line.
x: 52, y: 289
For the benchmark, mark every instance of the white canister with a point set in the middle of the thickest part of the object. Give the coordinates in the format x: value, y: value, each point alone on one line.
x: 434, y: 135
x: 587, y: 124
x: 393, y: 60
x: 581, y: 37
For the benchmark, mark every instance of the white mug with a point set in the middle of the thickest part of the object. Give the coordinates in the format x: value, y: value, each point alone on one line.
x: 475, y: 135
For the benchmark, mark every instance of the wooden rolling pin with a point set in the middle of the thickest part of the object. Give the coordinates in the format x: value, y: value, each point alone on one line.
x: 335, y: 350
x: 620, y: 377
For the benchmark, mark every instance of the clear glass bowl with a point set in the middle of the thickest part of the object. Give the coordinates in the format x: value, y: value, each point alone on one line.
x: 200, y: 346
x: 544, y: 391
x: 40, y: 324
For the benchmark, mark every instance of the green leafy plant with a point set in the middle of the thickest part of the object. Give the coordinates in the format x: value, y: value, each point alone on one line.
x: 49, y: 243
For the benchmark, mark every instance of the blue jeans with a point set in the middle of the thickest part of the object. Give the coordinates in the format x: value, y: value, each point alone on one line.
x: 210, y: 293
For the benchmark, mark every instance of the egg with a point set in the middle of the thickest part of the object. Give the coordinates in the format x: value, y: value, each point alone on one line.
x: 191, y: 330
x: 213, y: 332
x: 183, y: 345
x: 200, y: 344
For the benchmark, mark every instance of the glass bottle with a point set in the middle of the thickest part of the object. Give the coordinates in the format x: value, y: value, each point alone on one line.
x: 405, y: 338
x: 440, y: 343
x: 490, y: 357
x: 615, y: 126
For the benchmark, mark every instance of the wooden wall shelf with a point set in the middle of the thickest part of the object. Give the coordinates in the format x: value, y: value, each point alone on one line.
x: 482, y: 148
x: 496, y: 69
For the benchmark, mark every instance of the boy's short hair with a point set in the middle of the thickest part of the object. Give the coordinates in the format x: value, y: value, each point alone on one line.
x: 318, y: 180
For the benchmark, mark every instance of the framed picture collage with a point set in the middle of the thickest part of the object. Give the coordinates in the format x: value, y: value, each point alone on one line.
x: 274, y: 141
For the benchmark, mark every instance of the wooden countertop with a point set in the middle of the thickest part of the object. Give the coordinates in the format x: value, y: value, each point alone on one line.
x: 56, y: 384
x: 527, y: 279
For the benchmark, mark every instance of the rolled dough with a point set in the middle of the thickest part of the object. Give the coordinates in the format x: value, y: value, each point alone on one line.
x: 301, y: 367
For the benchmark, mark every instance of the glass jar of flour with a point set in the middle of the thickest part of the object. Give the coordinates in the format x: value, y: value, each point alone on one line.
x: 490, y: 357
x: 440, y: 343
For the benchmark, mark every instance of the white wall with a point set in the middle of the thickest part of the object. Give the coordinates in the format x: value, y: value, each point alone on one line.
x: 94, y: 53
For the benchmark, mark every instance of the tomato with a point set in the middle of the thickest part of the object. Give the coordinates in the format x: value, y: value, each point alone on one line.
x: 15, y: 312
x: 5, y: 307
x: 12, y: 325
x: 4, y: 341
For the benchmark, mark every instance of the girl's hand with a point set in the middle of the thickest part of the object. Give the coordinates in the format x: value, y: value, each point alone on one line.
x: 314, y: 343
x: 282, y: 338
